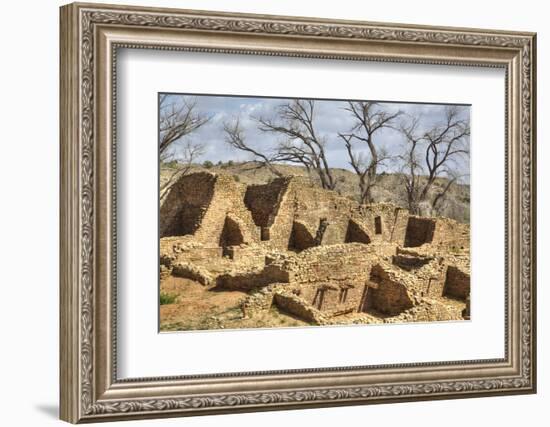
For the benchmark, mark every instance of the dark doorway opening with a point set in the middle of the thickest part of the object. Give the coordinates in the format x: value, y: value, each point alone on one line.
x: 378, y: 225
x: 355, y: 233
x: 231, y: 235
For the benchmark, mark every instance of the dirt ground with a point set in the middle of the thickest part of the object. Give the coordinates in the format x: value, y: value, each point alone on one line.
x: 198, y: 308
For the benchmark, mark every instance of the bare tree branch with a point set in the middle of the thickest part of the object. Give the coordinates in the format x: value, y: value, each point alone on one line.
x: 188, y: 154
x: 369, y: 118
x: 235, y: 137
x: 295, y: 121
x: 442, y: 146
x: 177, y: 119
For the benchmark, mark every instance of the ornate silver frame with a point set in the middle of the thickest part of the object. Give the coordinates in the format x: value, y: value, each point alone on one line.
x: 90, y: 35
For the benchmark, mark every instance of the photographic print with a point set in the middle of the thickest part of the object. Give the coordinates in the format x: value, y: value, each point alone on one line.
x: 282, y: 212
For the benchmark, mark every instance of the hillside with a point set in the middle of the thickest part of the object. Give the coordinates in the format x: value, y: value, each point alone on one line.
x: 389, y: 189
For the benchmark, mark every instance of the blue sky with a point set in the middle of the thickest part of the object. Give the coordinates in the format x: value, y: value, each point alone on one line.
x: 330, y: 118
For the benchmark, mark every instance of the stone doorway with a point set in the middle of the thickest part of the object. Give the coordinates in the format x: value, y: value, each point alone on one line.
x: 231, y: 235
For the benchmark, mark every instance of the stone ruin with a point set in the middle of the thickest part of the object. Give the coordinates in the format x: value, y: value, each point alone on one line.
x: 315, y: 254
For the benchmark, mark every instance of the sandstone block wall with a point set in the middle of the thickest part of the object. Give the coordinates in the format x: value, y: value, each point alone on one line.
x: 349, y: 262
x: 185, y: 205
x: 391, y: 296
x: 419, y: 231
x: 331, y: 297
x: 341, y: 269
x: 325, y: 253
x: 227, y: 204
x: 426, y: 271
x: 451, y: 234
x: 206, y: 205
x: 247, y: 254
x: 457, y: 283
x: 297, y: 306
x: 252, y: 279
x: 442, y: 232
x: 193, y: 272
x: 356, y: 233
x: 287, y: 213
x: 264, y: 200
x: 400, y: 226
x: 257, y: 303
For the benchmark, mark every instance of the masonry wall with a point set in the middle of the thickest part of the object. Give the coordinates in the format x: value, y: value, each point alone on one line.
x: 201, y: 203
x: 338, y: 297
x: 400, y: 226
x: 281, y: 222
x: 356, y: 233
x: 248, y: 280
x: 391, y: 296
x: 443, y: 232
x: 457, y: 283
x: 381, y: 221
x: 301, y: 237
x: 287, y: 213
x: 228, y: 201
x: 325, y: 254
x: 183, y: 210
x: 451, y: 234
x: 428, y: 271
x: 333, y: 278
x: 419, y: 231
x: 297, y: 208
x: 199, y: 254
x: 246, y: 253
x: 298, y: 307
x: 349, y: 263
x: 344, y: 265
x: 263, y: 200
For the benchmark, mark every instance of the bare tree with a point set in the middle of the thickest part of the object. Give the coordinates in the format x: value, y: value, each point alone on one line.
x: 235, y: 137
x: 431, y: 154
x: 177, y: 119
x: 412, y: 166
x: 364, y: 166
x: 188, y: 153
x: 369, y: 118
x: 301, y: 144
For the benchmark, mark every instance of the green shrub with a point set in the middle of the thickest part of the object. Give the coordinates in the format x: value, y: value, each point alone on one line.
x: 227, y: 164
x: 208, y: 164
x: 171, y: 164
x: 167, y: 298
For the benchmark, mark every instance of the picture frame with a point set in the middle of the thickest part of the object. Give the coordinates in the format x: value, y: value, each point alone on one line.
x: 91, y: 35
